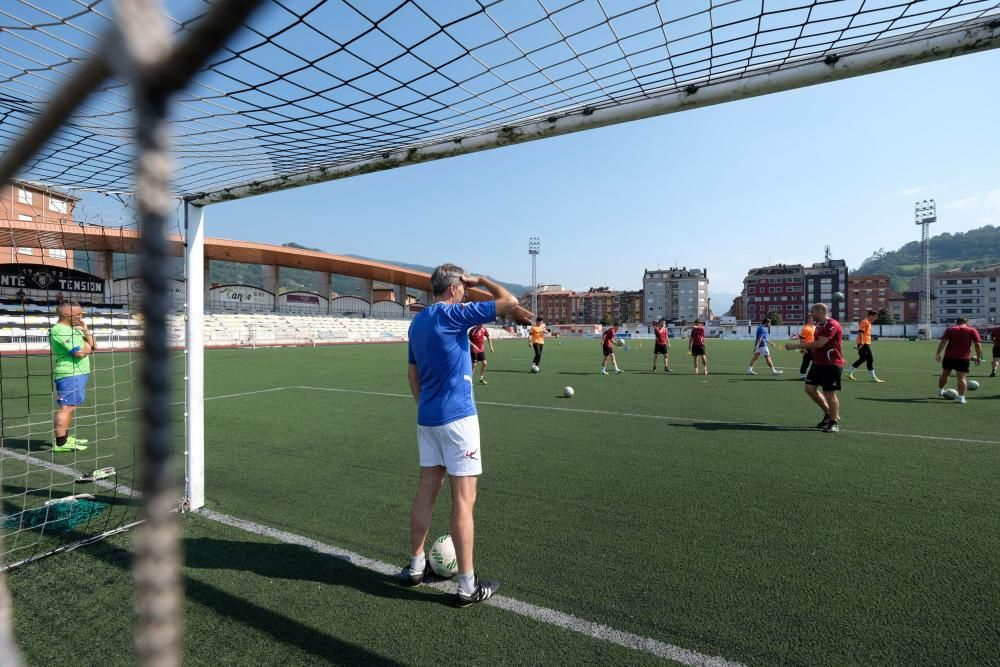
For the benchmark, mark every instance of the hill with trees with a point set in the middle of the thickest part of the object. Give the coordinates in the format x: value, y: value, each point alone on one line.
x: 974, y: 250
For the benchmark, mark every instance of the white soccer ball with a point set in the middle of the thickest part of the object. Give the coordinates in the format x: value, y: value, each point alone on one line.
x: 568, y: 392
x: 950, y: 394
x: 535, y: 369
x: 973, y: 385
x: 442, y: 557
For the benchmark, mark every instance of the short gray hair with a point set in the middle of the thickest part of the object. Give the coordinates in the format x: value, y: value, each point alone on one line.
x: 444, y: 276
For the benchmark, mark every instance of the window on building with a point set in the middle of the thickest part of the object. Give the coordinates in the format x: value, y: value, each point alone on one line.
x: 25, y: 218
x: 57, y: 253
x: 25, y: 251
x: 58, y: 205
x: 24, y: 196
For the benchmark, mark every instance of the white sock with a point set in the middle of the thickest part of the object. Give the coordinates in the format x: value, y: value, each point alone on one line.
x: 418, y: 563
x: 467, y: 581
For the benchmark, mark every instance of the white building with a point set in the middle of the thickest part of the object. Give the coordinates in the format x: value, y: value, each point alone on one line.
x: 971, y: 294
x: 676, y: 294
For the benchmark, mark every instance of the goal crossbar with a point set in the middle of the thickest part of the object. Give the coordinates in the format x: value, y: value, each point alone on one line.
x: 981, y: 37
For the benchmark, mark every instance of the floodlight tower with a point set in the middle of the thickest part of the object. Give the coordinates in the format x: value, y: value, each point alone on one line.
x: 534, y: 248
x: 925, y: 213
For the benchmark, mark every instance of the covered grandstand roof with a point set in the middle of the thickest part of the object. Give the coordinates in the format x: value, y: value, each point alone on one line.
x: 97, y: 238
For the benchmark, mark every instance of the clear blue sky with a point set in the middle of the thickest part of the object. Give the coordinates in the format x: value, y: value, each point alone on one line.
x: 772, y: 179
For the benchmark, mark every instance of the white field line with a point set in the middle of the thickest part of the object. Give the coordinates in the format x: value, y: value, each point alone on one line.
x: 534, y: 612
x: 69, y: 471
x: 689, y: 420
x: 114, y: 413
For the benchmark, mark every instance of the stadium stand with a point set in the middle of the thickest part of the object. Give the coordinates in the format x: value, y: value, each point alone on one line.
x: 24, y: 328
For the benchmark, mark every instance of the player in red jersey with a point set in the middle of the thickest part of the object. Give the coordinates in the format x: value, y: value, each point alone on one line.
x: 827, y: 366
x: 608, y: 340
x: 662, y: 345
x: 696, y: 346
x: 956, y: 342
x: 995, y: 335
x: 479, y: 335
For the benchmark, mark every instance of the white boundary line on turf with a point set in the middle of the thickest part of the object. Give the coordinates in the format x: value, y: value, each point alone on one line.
x: 534, y: 612
x: 127, y: 410
x: 70, y: 471
x: 690, y: 420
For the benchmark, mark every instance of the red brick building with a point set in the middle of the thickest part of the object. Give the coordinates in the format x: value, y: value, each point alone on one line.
x: 24, y: 202
x: 866, y: 293
x: 904, y: 307
x: 779, y: 288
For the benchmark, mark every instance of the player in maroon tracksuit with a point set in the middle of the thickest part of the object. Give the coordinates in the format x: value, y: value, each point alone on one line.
x: 957, y: 343
x: 696, y: 346
x: 478, y: 336
x: 823, y: 380
x: 608, y: 340
x: 662, y: 345
x: 995, y: 336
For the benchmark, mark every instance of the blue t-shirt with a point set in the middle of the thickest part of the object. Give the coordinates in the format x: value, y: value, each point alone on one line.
x: 439, y: 346
x: 762, y: 335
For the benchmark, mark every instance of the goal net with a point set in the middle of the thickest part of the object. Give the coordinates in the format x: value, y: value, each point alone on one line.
x: 224, y: 102
x: 65, y: 259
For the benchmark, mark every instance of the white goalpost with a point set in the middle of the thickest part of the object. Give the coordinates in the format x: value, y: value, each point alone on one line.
x: 159, y: 108
x: 194, y: 365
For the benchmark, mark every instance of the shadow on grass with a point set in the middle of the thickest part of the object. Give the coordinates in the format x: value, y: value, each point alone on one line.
x: 717, y: 426
x: 32, y: 445
x: 301, y: 563
x: 930, y: 399
x: 291, y: 561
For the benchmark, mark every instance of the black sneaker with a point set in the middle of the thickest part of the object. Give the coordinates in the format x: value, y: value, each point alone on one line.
x: 823, y: 424
x: 408, y: 578
x: 993, y: 374
x: 483, y: 592
x: 831, y: 427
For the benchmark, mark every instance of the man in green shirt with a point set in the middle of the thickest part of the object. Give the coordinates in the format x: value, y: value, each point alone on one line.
x: 71, y: 344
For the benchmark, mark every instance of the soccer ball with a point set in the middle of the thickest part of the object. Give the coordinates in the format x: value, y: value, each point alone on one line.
x: 442, y: 557
x: 568, y: 392
x: 950, y: 394
x: 973, y: 385
x: 535, y: 369
x: 838, y: 297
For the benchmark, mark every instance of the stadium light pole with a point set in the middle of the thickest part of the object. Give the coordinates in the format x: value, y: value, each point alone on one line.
x: 925, y: 213
x: 534, y: 248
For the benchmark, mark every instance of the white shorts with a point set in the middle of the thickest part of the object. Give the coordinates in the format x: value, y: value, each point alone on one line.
x: 454, y: 445
x: 762, y: 350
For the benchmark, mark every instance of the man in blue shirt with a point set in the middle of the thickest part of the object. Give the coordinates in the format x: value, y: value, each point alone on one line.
x: 760, y: 349
x: 440, y: 376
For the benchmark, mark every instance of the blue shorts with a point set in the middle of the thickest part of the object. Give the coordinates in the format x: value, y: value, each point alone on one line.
x: 71, y: 390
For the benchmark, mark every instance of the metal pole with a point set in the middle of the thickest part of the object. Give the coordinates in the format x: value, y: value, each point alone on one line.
x: 534, y: 247
x: 194, y: 380
x: 925, y: 213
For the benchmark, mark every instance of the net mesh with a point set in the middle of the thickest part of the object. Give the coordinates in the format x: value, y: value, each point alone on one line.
x: 313, y: 84
x: 52, y: 500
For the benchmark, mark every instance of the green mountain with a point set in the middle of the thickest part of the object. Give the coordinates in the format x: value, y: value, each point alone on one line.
x: 974, y: 250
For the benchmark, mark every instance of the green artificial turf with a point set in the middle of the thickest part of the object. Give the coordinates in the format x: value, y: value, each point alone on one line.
x: 701, y: 512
